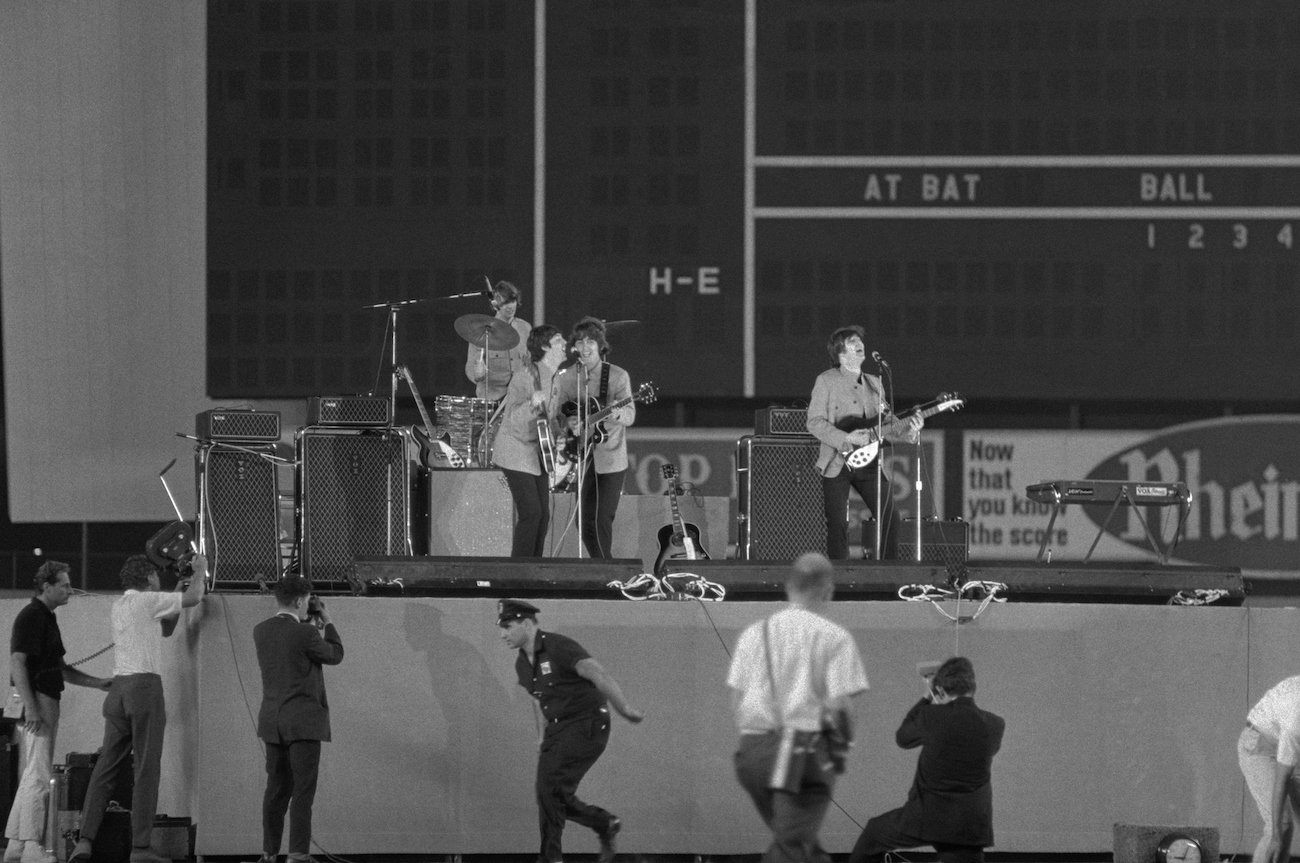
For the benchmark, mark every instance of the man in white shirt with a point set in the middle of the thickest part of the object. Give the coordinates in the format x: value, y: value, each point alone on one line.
x: 134, y: 711
x: 1268, y: 750
x: 792, y: 675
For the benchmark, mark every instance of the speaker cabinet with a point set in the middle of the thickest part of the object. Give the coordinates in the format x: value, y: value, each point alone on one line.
x: 780, y: 498
x: 471, y: 513
x: 239, y: 505
x: 946, y: 542
x: 354, y: 498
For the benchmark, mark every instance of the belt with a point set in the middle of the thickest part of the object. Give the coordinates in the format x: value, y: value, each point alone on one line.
x: 595, y: 712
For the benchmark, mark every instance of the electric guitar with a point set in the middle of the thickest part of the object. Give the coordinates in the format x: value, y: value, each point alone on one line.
x: 864, y: 455
x: 678, y: 540
x: 433, y: 452
x: 555, y: 463
x: 593, y: 432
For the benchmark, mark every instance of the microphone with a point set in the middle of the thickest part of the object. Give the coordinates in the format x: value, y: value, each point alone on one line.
x: 487, y: 288
x: 875, y: 355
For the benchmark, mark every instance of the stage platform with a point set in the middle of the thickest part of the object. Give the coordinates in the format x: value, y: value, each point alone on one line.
x: 748, y: 579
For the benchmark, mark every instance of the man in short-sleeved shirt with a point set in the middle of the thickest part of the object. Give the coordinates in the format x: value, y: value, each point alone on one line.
x: 787, y: 673
x: 572, y: 690
x: 38, y: 672
x: 135, y: 713
x: 1267, y: 751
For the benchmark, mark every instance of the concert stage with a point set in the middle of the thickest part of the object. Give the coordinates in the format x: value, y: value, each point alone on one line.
x: 749, y: 579
x: 1116, y: 713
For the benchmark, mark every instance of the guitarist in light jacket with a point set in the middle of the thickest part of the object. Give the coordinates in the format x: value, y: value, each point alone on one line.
x: 604, y: 384
x: 842, y: 414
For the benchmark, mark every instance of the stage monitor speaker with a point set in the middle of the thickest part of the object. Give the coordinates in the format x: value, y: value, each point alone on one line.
x: 239, y: 504
x: 854, y: 579
x: 780, y: 498
x: 471, y: 513
x: 354, y: 496
x: 946, y: 542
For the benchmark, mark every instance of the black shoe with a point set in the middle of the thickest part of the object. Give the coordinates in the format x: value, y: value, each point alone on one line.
x: 608, y: 847
x: 81, y: 853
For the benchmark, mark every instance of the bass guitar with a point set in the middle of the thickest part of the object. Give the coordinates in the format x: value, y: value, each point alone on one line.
x: 556, y: 464
x: 864, y: 455
x: 578, y: 440
x: 434, y: 453
x: 678, y: 540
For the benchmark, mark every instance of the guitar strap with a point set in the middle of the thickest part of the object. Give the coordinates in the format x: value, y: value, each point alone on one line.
x: 604, y: 383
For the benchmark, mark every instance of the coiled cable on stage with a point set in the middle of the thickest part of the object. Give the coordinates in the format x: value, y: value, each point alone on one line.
x: 675, y: 585
x: 1199, y: 596
x: 986, y: 592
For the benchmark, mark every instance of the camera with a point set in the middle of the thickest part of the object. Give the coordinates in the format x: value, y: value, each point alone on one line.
x: 314, y: 607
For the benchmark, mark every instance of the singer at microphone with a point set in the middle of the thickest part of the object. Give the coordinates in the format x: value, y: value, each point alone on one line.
x: 845, y: 410
x: 490, y: 370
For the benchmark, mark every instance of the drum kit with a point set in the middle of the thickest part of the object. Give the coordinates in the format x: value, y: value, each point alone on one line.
x: 464, y: 419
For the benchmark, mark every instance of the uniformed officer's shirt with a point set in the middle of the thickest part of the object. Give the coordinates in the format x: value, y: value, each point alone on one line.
x: 552, y: 677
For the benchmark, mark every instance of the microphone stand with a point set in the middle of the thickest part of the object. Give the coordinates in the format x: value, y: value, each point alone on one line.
x: 583, y: 413
x: 880, y: 463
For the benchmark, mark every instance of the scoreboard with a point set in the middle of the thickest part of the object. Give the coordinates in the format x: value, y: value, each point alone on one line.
x: 1094, y: 200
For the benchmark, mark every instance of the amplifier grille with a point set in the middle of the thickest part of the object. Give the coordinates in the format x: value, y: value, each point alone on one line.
x: 355, y: 411
x: 781, y: 421
x: 946, y: 542
x: 228, y: 425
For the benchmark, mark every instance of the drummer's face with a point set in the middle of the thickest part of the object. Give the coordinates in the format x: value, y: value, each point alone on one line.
x: 505, y: 308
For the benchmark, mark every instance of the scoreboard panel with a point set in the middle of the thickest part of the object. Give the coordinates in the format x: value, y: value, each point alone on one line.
x: 1029, y: 200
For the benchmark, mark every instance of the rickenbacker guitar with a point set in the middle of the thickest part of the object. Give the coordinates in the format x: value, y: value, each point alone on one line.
x: 866, y: 454
x: 678, y: 540
x: 433, y: 452
x: 594, y: 432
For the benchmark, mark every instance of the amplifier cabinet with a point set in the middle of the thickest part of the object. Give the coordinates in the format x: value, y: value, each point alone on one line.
x: 354, y: 500
x: 781, y: 421
x: 780, y: 498
x: 239, y: 504
x: 345, y: 411
x: 228, y: 425
x: 942, y: 541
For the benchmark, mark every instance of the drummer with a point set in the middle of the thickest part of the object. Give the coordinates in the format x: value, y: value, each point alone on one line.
x: 491, y: 378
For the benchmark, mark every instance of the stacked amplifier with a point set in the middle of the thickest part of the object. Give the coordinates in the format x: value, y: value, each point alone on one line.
x: 353, y: 488
x: 779, y: 489
x: 238, y: 489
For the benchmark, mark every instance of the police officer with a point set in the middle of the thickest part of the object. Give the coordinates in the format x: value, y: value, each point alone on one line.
x: 573, y: 691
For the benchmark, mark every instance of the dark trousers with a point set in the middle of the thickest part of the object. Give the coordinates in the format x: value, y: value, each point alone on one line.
x: 885, y: 833
x: 569, y: 748
x: 794, y: 819
x: 532, y: 497
x: 291, y: 770
x: 835, y: 496
x: 135, y: 716
x: 600, y: 496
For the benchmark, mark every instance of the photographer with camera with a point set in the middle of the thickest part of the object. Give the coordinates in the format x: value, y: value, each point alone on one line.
x: 294, y: 717
x: 950, y: 805
x: 793, y: 677
x: 135, y: 712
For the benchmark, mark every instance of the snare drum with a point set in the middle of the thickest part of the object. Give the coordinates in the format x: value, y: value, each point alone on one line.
x: 463, y: 418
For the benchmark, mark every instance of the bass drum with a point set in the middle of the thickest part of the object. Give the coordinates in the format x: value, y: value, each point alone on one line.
x: 487, y: 440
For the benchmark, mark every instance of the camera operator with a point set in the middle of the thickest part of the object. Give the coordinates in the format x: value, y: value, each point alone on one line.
x: 950, y: 805
x: 294, y: 717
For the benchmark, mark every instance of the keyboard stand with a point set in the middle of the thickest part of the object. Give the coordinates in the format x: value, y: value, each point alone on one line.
x: 1122, y: 498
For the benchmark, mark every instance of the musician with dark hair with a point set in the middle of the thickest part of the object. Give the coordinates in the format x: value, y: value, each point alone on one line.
x: 600, y: 384
x: 842, y: 414
x: 490, y: 370
x: 515, y: 448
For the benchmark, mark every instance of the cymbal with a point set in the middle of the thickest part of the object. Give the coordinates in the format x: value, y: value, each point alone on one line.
x: 479, y: 330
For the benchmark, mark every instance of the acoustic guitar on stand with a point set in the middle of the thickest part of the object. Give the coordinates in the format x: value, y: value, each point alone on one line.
x: 678, y: 540
x: 866, y: 454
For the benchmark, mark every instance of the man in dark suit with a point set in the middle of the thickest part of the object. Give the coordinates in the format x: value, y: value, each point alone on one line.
x: 295, y: 716
x: 950, y: 805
